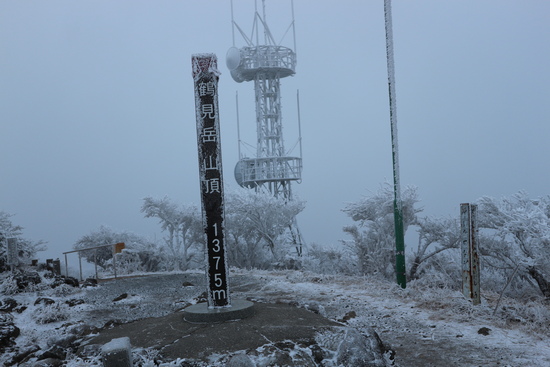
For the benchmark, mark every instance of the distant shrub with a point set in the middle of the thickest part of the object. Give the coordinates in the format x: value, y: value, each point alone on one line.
x: 45, y: 314
x: 8, y: 286
x: 329, y: 260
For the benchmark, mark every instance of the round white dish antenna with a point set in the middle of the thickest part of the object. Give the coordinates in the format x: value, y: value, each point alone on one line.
x: 233, y: 58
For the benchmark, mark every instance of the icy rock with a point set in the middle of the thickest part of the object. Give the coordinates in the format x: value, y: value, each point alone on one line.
x: 89, y: 350
x: 283, y: 354
x: 484, y: 331
x: 348, y: 316
x: 71, y: 281
x: 23, y: 355
x: 121, y: 297
x: 317, y: 353
x: 117, y: 353
x: 8, y: 331
x: 240, y: 360
x: 359, y: 350
x: 83, y: 330
x: 60, y: 280
x: 74, y: 302
x: 8, y: 305
x: 44, y: 301
x: 66, y: 341
x: 55, y: 352
x: 90, y: 282
x: 48, y: 362
x: 23, y: 280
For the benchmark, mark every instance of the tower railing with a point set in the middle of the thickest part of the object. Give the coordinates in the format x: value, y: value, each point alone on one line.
x: 255, y: 171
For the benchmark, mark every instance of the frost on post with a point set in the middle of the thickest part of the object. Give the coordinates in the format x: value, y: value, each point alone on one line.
x: 398, y: 206
x: 11, y: 254
x: 469, y: 250
x: 205, y: 76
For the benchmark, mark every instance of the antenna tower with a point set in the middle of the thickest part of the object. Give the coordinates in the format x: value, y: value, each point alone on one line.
x: 265, y: 61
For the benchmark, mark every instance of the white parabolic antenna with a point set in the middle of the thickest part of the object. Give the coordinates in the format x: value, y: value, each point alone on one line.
x: 233, y: 58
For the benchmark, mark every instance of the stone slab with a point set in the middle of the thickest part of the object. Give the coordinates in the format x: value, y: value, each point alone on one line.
x: 176, y: 338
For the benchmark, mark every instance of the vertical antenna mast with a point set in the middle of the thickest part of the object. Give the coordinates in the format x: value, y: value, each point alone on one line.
x: 232, y: 24
x: 293, y: 27
x: 299, y: 121
x: 397, y: 204
x: 238, y: 123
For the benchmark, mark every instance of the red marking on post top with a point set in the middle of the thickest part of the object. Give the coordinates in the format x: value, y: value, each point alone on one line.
x: 204, y: 63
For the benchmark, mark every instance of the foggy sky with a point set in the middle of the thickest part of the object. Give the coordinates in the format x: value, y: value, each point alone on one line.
x: 97, y: 107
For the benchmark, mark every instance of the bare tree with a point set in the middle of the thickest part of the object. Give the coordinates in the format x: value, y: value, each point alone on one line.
x: 107, y: 236
x: 256, y: 223
x: 26, y: 249
x: 434, y: 236
x: 373, y: 238
x: 518, y: 236
x: 185, y: 239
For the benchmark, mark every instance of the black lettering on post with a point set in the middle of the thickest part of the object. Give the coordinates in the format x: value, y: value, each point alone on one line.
x: 205, y: 76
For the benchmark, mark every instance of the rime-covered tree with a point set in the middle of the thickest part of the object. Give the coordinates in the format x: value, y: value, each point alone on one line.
x: 374, y: 234
x: 435, y: 235
x: 107, y: 236
x: 26, y: 249
x: 256, y: 224
x: 183, y: 225
x: 518, y: 232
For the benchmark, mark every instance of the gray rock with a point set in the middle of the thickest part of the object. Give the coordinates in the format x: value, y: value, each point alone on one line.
x: 8, y: 305
x: 121, y: 297
x: 240, y: 360
x: 73, y: 282
x: 8, y: 331
x: 44, y: 301
x: 24, y: 280
x: 55, y: 352
x: 49, y: 362
x: 117, y: 353
x: 90, y: 282
x: 74, y: 302
x: 23, y: 355
x: 361, y: 350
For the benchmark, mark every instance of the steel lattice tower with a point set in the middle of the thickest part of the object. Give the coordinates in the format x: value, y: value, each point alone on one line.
x: 273, y: 169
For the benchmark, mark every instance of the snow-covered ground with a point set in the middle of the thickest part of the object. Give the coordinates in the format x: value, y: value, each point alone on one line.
x: 426, y: 327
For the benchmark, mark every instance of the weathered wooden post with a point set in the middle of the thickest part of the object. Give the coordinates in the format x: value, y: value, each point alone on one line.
x: 470, y: 254
x: 220, y: 307
x: 12, y: 253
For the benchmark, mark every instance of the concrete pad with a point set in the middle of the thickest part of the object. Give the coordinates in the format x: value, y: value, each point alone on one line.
x: 177, y: 338
x: 240, y: 309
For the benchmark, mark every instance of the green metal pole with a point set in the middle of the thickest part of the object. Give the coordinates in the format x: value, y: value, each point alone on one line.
x: 397, y: 205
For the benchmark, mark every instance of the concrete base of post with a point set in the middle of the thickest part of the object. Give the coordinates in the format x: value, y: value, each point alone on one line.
x: 117, y: 353
x: 200, y: 313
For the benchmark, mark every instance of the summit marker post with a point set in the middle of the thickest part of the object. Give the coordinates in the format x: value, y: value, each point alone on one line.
x: 205, y: 76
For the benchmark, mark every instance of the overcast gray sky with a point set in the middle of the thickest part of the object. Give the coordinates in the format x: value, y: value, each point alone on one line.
x: 97, y: 107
